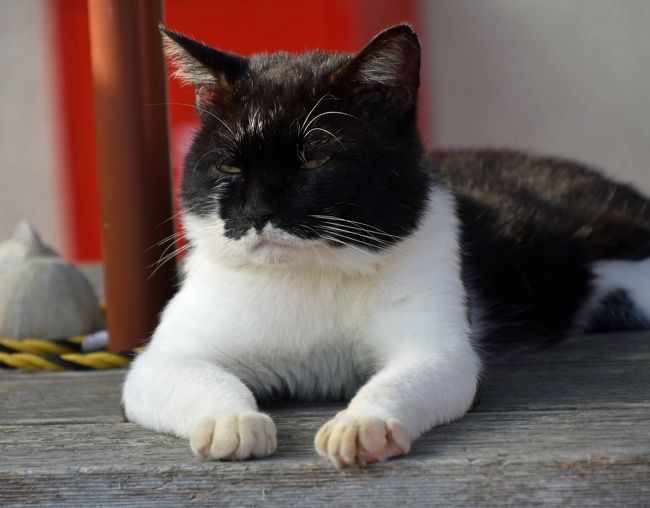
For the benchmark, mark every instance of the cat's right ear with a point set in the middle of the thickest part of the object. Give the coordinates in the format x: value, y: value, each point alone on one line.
x: 211, y: 71
x: 385, y: 73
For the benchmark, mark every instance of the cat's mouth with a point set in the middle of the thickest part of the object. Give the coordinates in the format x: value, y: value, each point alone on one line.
x: 265, y: 243
x: 274, y: 240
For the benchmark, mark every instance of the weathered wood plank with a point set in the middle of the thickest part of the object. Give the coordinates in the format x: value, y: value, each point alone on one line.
x: 565, y: 426
x: 74, y: 397
x: 521, y: 437
x: 587, y: 483
x: 564, y: 457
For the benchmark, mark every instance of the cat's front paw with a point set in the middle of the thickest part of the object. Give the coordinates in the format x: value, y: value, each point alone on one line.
x: 352, y: 441
x: 249, y: 435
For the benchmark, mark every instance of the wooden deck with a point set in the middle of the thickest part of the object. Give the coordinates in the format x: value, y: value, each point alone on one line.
x: 569, y: 426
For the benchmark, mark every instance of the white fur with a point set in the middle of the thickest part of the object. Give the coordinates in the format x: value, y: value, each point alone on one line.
x: 633, y: 277
x: 271, y: 312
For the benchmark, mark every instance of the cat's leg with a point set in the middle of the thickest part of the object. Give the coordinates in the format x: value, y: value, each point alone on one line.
x: 411, y: 394
x: 429, y: 375
x: 200, y: 401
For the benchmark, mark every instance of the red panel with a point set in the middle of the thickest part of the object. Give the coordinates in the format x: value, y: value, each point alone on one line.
x: 78, y: 159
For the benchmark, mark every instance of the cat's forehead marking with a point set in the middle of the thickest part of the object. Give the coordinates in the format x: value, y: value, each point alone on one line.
x: 256, y: 121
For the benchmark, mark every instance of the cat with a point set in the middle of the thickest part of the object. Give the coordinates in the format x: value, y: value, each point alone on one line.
x: 330, y: 257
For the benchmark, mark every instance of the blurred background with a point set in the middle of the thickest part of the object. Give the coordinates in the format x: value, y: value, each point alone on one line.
x: 568, y: 78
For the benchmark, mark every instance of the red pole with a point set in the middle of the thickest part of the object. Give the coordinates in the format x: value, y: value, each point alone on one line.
x: 133, y: 159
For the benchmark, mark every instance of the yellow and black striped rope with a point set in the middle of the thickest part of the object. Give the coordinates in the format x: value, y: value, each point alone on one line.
x: 57, y: 355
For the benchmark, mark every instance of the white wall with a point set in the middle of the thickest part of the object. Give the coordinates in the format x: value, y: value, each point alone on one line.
x: 29, y: 184
x: 565, y: 77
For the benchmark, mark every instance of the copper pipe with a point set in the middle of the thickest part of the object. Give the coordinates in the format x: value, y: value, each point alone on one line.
x: 134, y: 170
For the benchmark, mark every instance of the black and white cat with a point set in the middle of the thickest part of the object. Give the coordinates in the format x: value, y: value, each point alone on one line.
x: 330, y: 257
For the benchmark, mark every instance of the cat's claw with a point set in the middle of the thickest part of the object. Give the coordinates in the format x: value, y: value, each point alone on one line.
x: 350, y: 441
x: 249, y: 435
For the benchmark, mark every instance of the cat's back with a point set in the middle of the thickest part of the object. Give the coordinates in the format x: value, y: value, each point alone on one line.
x: 518, y: 194
x: 490, y: 176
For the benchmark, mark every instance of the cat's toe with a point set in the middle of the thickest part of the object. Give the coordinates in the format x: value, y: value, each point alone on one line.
x: 235, y: 437
x: 350, y: 441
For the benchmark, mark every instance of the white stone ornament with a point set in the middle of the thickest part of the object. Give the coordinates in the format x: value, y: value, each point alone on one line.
x: 41, y: 294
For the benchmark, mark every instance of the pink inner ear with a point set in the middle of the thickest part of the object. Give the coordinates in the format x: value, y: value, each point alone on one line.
x: 205, y: 94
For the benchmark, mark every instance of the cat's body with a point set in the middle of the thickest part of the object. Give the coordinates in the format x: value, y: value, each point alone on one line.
x: 540, y: 235
x: 349, y: 265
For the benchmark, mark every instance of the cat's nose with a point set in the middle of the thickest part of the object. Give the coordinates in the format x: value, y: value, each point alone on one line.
x: 257, y: 210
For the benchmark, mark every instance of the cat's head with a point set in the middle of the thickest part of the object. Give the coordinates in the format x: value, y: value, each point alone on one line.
x: 309, y: 157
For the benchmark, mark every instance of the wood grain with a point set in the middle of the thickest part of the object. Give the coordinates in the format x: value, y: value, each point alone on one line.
x: 567, y: 426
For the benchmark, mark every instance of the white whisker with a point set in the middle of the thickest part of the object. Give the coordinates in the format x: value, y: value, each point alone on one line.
x: 329, y: 113
x: 302, y: 126
x: 356, y: 233
x: 338, y: 240
x: 373, y: 229
x: 324, y: 130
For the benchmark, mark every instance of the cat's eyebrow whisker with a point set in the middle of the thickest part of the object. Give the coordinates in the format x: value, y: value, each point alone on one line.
x: 203, y: 157
x: 326, y: 131
x: 302, y: 126
x: 329, y: 113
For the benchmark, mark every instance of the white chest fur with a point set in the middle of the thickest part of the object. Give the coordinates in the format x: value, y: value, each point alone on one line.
x: 277, y: 330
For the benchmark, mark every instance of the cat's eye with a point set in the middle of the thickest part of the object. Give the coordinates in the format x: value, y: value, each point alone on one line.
x: 314, y: 163
x: 231, y: 170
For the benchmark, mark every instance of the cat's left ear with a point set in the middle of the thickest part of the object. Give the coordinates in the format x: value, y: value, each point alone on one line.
x: 387, y: 70
x: 212, y: 71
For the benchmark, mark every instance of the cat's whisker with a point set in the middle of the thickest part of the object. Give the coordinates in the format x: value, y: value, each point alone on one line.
x: 173, y: 216
x: 359, y: 228
x: 326, y: 131
x: 204, y: 156
x: 342, y: 242
x: 329, y: 113
x: 302, y: 126
x: 171, y: 238
x: 349, y: 238
x: 356, y: 233
x: 357, y: 222
x: 339, y: 219
x: 388, y: 240
x: 352, y: 230
x: 373, y: 229
x: 163, y: 260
